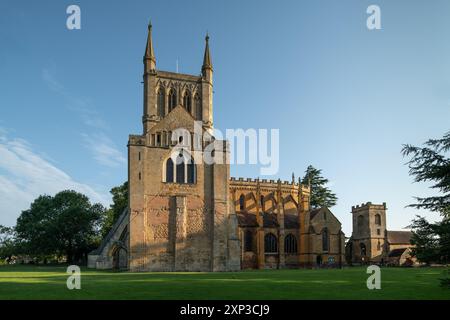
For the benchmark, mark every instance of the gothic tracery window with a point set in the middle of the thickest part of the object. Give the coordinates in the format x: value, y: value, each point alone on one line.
x: 187, y: 101
x: 169, y: 170
x: 183, y: 171
x: 270, y: 243
x: 198, y: 107
x: 248, y: 240
x: 242, y: 202
x: 325, y: 240
x: 161, y: 103
x: 290, y: 244
x: 180, y: 169
x: 172, y: 99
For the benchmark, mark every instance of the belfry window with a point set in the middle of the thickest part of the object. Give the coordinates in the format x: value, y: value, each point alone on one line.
x: 360, y: 222
x: 270, y: 243
x: 198, y: 107
x: 290, y: 244
x: 172, y: 99
x: 377, y: 219
x: 161, y: 103
x: 187, y: 101
x: 325, y: 240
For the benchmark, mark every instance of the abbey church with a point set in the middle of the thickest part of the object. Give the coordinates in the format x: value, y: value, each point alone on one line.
x: 185, y: 214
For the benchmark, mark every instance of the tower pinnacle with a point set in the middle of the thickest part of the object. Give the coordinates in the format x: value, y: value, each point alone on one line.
x: 149, y: 57
x: 207, y: 57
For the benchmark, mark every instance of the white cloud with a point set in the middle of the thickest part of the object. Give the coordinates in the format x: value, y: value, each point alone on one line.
x: 83, y: 106
x: 101, y: 146
x: 24, y: 175
x: 104, y: 150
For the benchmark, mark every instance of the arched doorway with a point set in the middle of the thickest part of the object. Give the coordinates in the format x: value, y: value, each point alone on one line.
x: 319, y: 260
x: 120, y: 258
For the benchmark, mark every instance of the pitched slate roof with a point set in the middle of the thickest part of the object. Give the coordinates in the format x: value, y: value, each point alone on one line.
x: 246, y: 219
x: 399, y: 237
x: 291, y: 221
x: 396, y: 252
x: 314, y: 212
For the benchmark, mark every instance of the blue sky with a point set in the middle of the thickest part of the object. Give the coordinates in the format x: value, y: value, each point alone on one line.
x: 344, y: 98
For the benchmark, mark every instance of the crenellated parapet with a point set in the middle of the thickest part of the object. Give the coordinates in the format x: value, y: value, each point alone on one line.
x: 369, y: 205
x: 268, y: 186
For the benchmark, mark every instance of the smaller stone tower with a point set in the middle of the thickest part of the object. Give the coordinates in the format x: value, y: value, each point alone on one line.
x: 369, y: 232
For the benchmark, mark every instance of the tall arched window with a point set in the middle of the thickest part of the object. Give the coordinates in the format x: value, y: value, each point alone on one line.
x: 187, y: 101
x: 161, y: 103
x: 169, y: 170
x: 325, y: 240
x: 180, y: 169
x: 242, y: 202
x: 262, y: 202
x: 248, y: 240
x: 362, y: 248
x: 270, y: 243
x: 172, y: 99
x: 377, y: 219
x: 360, y: 222
x: 290, y: 244
x: 198, y: 107
x: 191, y: 172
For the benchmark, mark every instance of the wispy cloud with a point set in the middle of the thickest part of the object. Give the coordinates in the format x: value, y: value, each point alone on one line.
x: 101, y: 146
x: 84, y: 107
x: 24, y: 175
x: 104, y: 150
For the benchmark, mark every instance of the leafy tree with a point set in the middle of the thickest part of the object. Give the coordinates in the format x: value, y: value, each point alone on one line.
x: 66, y: 224
x: 7, y: 243
x: 425, y: 241
x: 431, y: 163
x: 443, y: 232
x: 431, y: 240
x: 120, y: 203
x: 321, y: 196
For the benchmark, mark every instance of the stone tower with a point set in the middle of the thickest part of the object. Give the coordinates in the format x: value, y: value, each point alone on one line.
x: 369, y: 232
x: 180, y: 214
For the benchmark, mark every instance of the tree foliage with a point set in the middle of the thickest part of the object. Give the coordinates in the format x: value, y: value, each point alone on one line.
x: 431, y: 240
x: 431, y: 163
x: 120, y: 203
x: 66, y: 224
x: 321, y: 196
x: 8, y: 246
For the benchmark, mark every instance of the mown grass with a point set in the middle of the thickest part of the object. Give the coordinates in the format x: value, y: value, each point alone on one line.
x: 41, y: 282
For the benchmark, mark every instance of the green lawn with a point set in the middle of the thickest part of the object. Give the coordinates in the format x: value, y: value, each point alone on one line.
x: 31, y: 282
